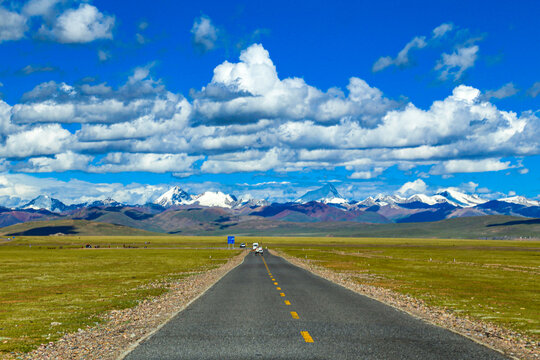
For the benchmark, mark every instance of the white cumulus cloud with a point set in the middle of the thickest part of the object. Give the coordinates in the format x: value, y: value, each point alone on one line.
x: 60, y: 162
x: 413, y: 187
x: 245, y: 161
x: 505, y: 91
x: 42, y: 140
x: 402, y: 57
x: 469, y: 166
x: 12, y: 25
x: 534, y: 90
x: 454, y: 64
x: 366, y: 174
x: 39, y: 7
x: 81, y: 25
x: 204, y: 34
x: 158, y: 163
x: 442, y: 29
x: 251, y: 90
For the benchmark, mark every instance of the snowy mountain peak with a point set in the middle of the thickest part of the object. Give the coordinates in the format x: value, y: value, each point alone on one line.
x: 369, y: 201
x: 108, y: 202
x: 430, y: 200
x: 253, y: 202
x: 177, y: 196
x: 174, y: 196
x: 521, y: 200
x: 382, y: 200
x: 449, y: 196
x: 390, y: 199
x: 461, y: 199
x: 45, y: 202
x: 327, y: 194
x: 211, y: 198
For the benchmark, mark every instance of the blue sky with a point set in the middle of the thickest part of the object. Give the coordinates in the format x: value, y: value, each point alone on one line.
x: 260, y: 99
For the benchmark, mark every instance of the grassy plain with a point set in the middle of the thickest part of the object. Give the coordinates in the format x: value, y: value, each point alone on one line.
x: 50, y: 285
x: 53, y: 279
x: 491, y: 280
x: 120, y: 241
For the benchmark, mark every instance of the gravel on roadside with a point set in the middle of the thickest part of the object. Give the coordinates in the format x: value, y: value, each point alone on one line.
x: 504, y: 340
x: 123, y: 329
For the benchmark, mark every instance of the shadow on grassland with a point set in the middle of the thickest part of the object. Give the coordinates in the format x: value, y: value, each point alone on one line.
x: 46, y: 230
x: 517, y: 222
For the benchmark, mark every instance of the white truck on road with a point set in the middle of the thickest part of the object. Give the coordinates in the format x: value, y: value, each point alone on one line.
x: 257, y: 250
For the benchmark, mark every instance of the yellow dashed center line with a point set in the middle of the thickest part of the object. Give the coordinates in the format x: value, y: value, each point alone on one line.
x: 267, y: 269
x: 306, y: 336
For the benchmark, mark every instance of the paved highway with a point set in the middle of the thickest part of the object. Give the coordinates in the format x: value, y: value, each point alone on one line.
x: 267, y: 308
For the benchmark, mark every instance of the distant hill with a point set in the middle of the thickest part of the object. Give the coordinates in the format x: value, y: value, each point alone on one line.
x: 70, y: 227
x: 214, y: 221
x: 315, y: 211
x: 10, y: 217
x: 491, y: 227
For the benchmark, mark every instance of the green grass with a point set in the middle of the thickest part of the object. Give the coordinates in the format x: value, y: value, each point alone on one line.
x: 60, y: 283
x: 120, y: 241
x: 56, y: 280
x: 496, y: 281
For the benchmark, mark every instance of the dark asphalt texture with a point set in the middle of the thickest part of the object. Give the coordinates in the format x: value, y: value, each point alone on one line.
x: 243, y: 316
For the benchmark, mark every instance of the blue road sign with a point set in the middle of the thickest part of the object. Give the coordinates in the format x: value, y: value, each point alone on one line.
x: 230, y: 239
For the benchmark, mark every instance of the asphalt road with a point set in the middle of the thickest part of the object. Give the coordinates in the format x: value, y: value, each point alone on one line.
x: 248, y: 315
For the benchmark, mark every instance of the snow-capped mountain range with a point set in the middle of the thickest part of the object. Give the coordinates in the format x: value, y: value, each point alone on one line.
x: 393, y: 208
x: 452, y: 197
x: 176, y: 196
x: 45, y: 202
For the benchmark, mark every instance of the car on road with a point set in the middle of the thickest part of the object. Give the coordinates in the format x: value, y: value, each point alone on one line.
x: 242, y: 245
x: 255, y: 246
x: 259, y: 250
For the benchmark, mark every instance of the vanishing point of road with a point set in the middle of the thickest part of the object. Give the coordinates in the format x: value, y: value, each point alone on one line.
x: 267, y: 308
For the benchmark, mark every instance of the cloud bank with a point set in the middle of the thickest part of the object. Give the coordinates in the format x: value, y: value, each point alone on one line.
x: 59, y: 22
x: 248, y: 119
